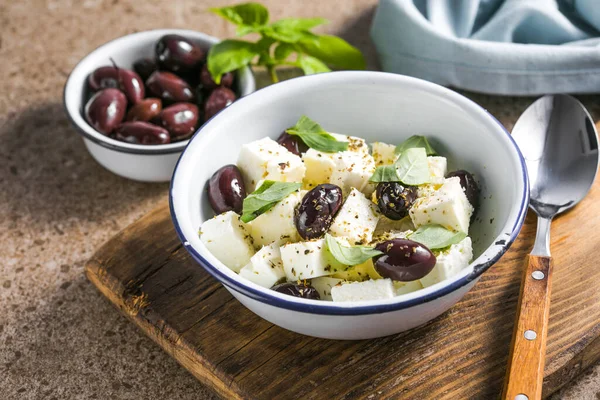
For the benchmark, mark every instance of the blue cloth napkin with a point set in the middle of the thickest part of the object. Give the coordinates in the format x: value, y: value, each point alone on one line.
x: 512, y: 47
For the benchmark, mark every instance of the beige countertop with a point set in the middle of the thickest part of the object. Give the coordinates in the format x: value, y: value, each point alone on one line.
x: 59, y: 338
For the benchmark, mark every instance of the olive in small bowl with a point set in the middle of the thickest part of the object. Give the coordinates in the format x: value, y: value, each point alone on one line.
x: 130, y: 159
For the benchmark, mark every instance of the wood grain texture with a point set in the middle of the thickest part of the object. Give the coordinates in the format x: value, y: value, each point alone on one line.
x: 146, y: 273
x: 525, y: 371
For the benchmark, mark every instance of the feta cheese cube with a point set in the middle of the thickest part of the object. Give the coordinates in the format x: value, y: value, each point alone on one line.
x: 438, y: 168
x: 407, y: 287
x: 319, y: 167
x: 358, y: 273
x: 447, y: 206
x: 428, y: 189
x: 383, y: 153
x: 324, y: 284
x: 266, y: 159
x: 353, y: 170
x: 306, y: 260
x: 227, y: 238
x: 450, y: 262
x: 355, y: 144
x: 373, y: 289
x: 277, y: 224
x: 356, y: 220
x: 265, y: 267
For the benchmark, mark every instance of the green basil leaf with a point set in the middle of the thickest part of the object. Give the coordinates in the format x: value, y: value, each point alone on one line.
x: 412, y: 166
x: 385, y: 173
x: 299, y: 24
x: 264, y: 44
x: 283, y: 51
x: 307, y: 125
x: 349, y: 255
x: 253, y: 14
x: 265, y: 197
x: 416, y: 141
x: 334, y: 51
x: 322, y: 142
x: 229, y: 55
x: 283, y: 34
x: 436, y: 236
x: 243, y: 30
x: 311, y: 65
x: 264, y: 59
x: 316, y: 137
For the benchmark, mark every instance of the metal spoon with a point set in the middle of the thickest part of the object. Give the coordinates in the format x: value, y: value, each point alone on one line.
x: 560, y: 145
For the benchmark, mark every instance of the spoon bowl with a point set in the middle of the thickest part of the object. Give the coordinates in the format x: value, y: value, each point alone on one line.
x: 559, y: 143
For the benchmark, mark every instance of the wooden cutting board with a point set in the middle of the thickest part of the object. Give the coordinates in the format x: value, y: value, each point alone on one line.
x: 462, y: 354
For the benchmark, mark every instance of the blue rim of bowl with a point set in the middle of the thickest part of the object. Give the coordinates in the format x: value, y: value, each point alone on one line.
x: 325, y: 309
x: 151, y: 150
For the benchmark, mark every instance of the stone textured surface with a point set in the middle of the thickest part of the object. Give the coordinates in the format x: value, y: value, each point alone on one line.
x: 58, y: 337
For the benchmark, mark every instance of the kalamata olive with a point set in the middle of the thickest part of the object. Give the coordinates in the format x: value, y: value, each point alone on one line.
x: 139, y: 132
x: 469, y: 185
x: 403, y: 260
x: 302, y: 290
x: 292, y: 143
x: 145, y: 110
x: 145, y: 67
x: 314, y: 215
x: 178, y: 54
x: 220, y: 98
x: 207, y: 81
x: 169, y: 87
x: 112, y: 77
x: 226, y: 191
x: 394, y: 199
x: 103, y: 78
x: 105, y: 110
x: 181, y: 120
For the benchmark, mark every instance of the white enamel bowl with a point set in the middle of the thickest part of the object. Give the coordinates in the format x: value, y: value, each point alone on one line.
x: 134, y: 161
x: 378, y: 107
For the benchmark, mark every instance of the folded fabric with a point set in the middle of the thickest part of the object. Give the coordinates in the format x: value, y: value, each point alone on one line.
x: 512, y: 47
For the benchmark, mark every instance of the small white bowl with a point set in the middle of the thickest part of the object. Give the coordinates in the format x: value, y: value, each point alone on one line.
x: 135, y: 161
x: 378, y: 107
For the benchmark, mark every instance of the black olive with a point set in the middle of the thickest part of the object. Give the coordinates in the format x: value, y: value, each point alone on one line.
x: 300, y: 289
x: 394, y: 199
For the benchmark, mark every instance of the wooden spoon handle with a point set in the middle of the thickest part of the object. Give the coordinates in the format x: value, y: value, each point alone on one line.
x: 525, y: 372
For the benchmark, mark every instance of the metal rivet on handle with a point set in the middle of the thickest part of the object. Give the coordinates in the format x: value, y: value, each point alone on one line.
x: 521, y: 397
x: 530, y: 335
x: 538, y: 275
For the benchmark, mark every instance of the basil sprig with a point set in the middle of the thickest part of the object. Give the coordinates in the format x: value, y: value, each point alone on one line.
x: 415, y: 141
x: 316, y: 137
x: 265, y: 197
x: 287, y: 41
x: 435, y: 236
x: 411, y: 168
x: 385, y: 173
x: 349, y: 255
